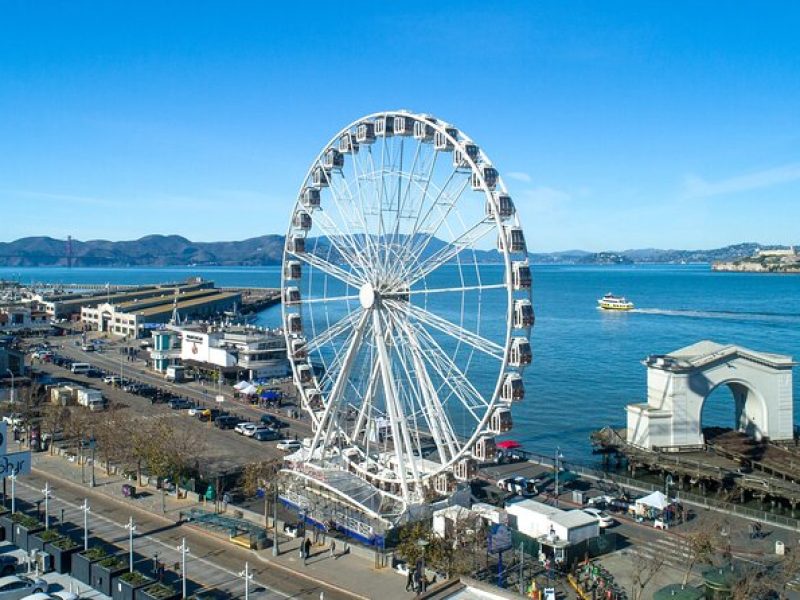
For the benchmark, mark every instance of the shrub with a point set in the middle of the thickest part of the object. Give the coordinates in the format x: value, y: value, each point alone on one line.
x: 25, y: 520
x: 95, y: 553
x: 159, y: 590
x: 134, y: 578
x: 111, y: 563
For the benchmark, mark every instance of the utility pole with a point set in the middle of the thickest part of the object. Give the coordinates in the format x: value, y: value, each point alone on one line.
x: 184, y: 550
x: 131, y: 528
x: 12, y: 397
x: 46, y: 492
x: 13, y: 478
x: 86, y: 510
x: 555, y: 463
x: 275, y: 550
x: 248, y: 576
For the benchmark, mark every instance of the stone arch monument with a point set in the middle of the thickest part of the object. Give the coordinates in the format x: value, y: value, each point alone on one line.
x: 678, y: 384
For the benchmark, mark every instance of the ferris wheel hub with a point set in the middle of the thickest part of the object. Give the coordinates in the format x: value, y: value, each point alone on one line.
x: 366, y: 295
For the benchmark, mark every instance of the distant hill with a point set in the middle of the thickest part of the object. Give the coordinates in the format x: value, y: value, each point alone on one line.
x: 172, y: 250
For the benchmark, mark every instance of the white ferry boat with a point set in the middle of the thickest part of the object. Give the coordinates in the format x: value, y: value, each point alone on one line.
x: 612, y: 302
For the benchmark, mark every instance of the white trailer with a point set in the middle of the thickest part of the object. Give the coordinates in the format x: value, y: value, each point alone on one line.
x: 91, y: 399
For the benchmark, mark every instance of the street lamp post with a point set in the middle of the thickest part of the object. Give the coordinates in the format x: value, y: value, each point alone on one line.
x: 248, y: 576
x: 184, y: 550
x: 275, y: 551
x: 46, y: 492
x: 86, y: 510
x: 131, y: 528
x: 13, y: 478
x: 558, y: 456
x: 668, y: 483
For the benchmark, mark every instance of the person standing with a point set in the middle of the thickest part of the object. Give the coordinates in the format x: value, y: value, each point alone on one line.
x: 307, y: 548
x: 333, y: 549
x: 410, y: 581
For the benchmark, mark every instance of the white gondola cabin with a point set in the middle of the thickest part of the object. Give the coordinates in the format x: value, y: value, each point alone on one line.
x: 291, y: 295
x: 443, y: 140
x: 513, y: 389
x: 305, y: 374
x: 403, y: 125
x: 332, y: 159
x: 348, y: 144
x: 320, y: 177
x: 384, y: 126
x: 521, y: 278
x: 299, y: 349
x: 444, y: 483
x: 485, y: 449
x: 365, y: 133
x: 310, y: 197
x: 466, y: 469
x: 294, y: 323
x: 514, y: 239
x: 302, y: 220
x: 314, y: 399
x: 462, y: 154
x: 293, y: 270
x: 501, y: 421
x: 505, y: 206
x: 520, y: 354
x: 297, y: 244
x: 490, y: 175
x: 523, y: 314
x: 423, y: 130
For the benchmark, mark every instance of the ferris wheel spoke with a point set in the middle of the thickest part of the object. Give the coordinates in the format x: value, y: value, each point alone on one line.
x: 369, y: 248
x: 455, y: 290
x: 366, y: 402
x: 323, y: 299
x: 456, y: 332
x: 341, y: 241
x: 332, y: 332
x: 468, y: 238
x: 334, y: 397
x: 328, y: 268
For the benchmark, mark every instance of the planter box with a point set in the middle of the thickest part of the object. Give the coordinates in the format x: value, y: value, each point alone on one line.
x: 143, y: 594
x: 126, y: 591
x: 81, y: 567
x: 22, y: 533
x: 8, y: 526
x: 102, y: 576
x: 62, y: 559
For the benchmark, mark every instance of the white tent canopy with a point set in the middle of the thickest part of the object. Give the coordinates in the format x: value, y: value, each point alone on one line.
x: 655, y: 500
x: 249, y: 390
x: 241, y: 385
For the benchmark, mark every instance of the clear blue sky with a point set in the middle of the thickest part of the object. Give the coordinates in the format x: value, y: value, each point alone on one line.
x: 616, y: 124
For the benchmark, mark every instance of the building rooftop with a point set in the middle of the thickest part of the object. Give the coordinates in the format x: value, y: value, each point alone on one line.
x: 168, y: 306
x: 706, y: 351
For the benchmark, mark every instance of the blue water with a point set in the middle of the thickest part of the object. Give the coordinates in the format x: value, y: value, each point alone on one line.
x: 586, y: 362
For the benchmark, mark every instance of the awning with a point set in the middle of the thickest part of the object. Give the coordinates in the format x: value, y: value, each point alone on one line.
x: 655, y: 500
x: 241, y: 385
x: 508, y: 445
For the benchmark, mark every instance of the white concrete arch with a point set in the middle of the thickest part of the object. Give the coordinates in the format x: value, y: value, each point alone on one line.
x: 679, y: 383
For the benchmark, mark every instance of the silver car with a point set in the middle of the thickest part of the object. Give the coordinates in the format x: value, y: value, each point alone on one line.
x: 15, y: 587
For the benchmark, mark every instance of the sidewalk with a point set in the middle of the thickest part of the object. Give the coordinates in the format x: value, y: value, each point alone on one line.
x: 352, y: 573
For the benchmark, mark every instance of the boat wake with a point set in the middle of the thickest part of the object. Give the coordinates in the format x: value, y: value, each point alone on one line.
x: 771, y: 317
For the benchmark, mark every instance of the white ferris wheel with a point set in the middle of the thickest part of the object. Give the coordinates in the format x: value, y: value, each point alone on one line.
x: 406, y: 305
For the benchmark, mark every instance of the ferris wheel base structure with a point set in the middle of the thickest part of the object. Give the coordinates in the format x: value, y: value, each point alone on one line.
x: 407, y: 350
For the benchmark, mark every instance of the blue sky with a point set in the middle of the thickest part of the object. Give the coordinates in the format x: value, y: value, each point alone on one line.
x: 615, y: 124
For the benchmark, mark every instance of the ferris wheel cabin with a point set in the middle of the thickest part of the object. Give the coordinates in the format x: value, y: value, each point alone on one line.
x: 305, y: 374
x: 365, y: 133
x: 320, y: 177
x: 521, y: 278
x: 348, y: 144
x: 294, y: 324
x: 485, y: 448
x: 443, y: 140
x: 291, y: 295
x: 302, y: 220
x: 511, y: 239
x: 505, y: 206
x: 384, y: 126
x: 523, y: 314
x: 293, y: 270
x: 314, y: 399
x: 332, y: 159
x: 462, y: 156
x: 310, y: 197
x: 403, y: 125
x: 297, y: 244
x: 490, y: 176
x: 513, y: 389
x: 501, y: 421
x: 520, y: 354
x: 466, y: 469
x: 299, y: 350
x: 423, y: 130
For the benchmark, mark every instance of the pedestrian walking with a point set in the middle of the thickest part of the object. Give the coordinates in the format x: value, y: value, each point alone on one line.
x: 307, y: 548
x: 410, y: 581
x: 333, y: 549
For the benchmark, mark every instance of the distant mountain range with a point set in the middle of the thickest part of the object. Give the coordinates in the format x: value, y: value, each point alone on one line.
x: 172, y: 250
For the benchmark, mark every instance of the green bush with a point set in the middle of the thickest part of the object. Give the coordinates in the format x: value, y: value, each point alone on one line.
x: 111, y: 563
x: 49, y: 535
x: 95, y: 553
x: 25, y: 520
x: 65, y: 543
x: 134, y: 578
x: 159, y: 590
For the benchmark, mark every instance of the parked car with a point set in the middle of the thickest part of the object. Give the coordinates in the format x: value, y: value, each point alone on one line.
x: 8, y: 564
x: 178, y: 404
x: 14, y: 587
x: 286, y: 446
x: 209, y: 414
x: 226, y: 422
x: 14, y: 419
x: 245, y: 428
x: 273, y: 421
x: 195, y: 411
x: 266, y: 435
x: 112, y: 379
x: 250, y: 432
x: 519, y: 485
x: 603, y: 518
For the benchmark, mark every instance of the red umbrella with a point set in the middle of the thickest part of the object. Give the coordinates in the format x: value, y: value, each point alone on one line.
x: 508, y: 445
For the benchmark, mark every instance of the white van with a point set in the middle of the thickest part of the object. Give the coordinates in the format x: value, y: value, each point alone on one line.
x: 80, y: 368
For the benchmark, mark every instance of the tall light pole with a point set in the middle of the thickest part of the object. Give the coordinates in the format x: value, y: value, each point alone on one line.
x: 248, y: 576
x: 555, y: 464
x: 12, y: 398
x: 131, y: 528
x: 86, y: 510
x: 184, y: 550
x: 13, y: 478
x: 46, y: 492
x: 275, y: 551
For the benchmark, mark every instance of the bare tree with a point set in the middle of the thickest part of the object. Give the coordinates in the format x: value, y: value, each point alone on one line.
x: 645, y: 568
x: 54, y: 419
x: 703, y: 540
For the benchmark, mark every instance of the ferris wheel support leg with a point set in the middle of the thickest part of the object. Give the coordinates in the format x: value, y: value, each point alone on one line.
x: 367, y: 402
x: 391, y: 400
x: 336, y: 392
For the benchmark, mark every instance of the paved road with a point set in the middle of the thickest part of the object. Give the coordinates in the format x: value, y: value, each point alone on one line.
x: 212, y: 563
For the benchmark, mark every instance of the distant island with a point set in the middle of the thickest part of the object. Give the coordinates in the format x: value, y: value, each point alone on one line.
x: 764, y: 260
x: 175, y: 250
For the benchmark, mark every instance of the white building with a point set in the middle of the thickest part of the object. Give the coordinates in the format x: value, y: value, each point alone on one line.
x: 21, y: 318
x: 548, y: 523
